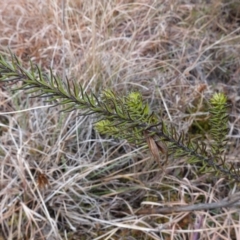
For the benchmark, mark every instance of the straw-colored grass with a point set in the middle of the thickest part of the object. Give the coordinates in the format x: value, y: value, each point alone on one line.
x: 58, y: 178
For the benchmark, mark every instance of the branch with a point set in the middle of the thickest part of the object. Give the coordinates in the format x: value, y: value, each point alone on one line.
x: 232, y: 201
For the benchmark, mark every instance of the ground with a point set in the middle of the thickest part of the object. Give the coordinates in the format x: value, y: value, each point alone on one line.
x: 61, y: 179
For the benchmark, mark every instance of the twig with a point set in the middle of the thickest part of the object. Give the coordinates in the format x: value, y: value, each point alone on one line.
x: 229, y: 202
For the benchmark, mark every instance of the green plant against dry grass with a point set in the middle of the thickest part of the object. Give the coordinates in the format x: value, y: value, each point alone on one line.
x: 129, y: 118
x: 99, y: 187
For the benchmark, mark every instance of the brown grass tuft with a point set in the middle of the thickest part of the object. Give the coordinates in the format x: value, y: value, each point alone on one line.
x: 58, y: 178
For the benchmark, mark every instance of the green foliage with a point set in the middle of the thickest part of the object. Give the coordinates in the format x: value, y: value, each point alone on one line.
x: 133, y: 117
x: 218, y: 122
x: 128, y: 117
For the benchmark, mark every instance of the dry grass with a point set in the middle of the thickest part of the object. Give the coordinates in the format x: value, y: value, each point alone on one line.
x: 58, y: 178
